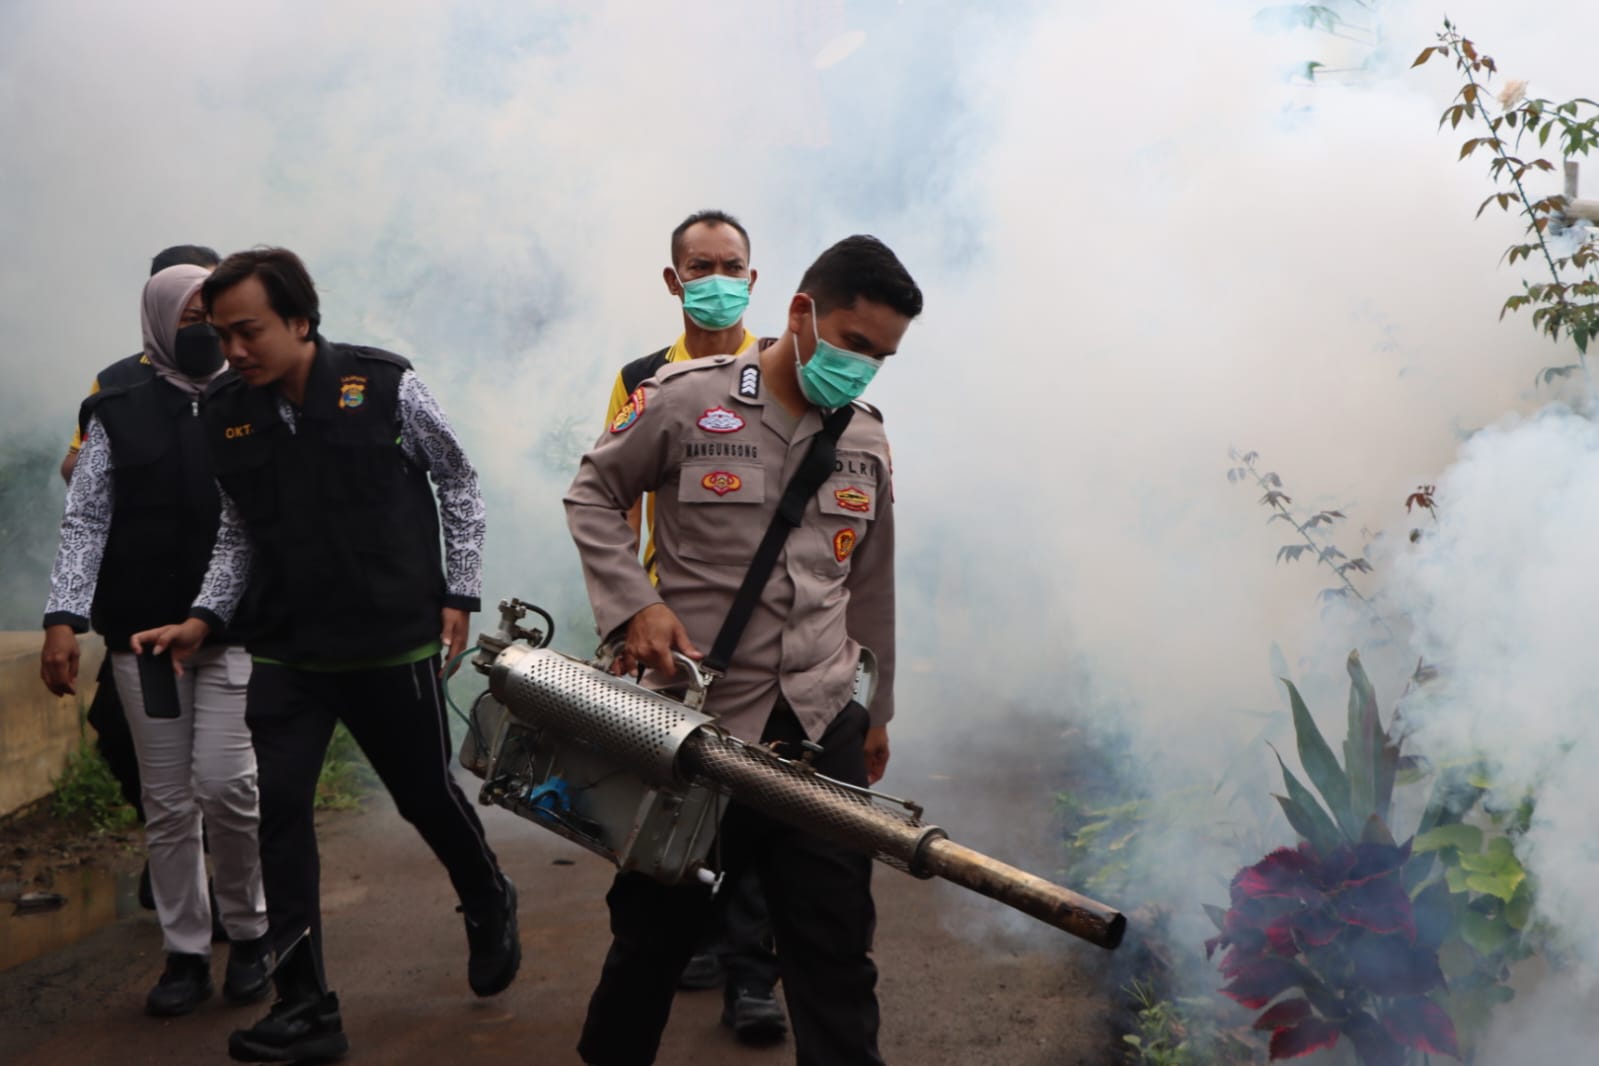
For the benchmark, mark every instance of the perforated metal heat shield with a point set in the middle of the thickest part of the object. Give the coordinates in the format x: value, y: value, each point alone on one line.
x: 663, y: 742
x: 637, y: 729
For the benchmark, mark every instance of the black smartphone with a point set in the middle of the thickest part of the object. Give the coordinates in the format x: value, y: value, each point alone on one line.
x: 159, y: 685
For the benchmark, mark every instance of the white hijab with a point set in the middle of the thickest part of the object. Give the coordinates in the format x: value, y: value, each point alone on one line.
x: 165, y: 296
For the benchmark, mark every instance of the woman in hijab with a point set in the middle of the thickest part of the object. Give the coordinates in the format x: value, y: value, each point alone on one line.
x: 141, y: 519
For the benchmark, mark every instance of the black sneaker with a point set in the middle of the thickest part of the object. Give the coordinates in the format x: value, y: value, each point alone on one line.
x: 702, y: 971
x: 184, y: 985
x: 755, y: 1016
x: 302, y: 1030
x: 495, y: 945
x: 249, y: 975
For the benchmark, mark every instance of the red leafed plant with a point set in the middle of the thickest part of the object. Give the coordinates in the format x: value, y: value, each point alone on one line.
x: 1324, y: 936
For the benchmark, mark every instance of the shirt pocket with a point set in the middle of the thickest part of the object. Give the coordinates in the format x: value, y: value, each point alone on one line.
x: 720, y: 515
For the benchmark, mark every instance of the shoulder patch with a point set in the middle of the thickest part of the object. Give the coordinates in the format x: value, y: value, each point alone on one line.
x: 749, y: 382
x: 363, y: 352
x: 629, y: 413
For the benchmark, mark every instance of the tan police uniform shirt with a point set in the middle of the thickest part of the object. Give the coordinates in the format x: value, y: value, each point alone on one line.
x: 703, y: 437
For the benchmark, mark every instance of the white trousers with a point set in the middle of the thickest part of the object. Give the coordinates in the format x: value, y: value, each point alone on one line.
x: 199, y: 765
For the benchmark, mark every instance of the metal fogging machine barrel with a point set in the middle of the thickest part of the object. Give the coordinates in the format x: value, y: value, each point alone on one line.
x: 642, y: 779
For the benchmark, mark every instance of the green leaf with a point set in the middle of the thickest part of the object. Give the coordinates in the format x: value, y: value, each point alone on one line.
x: 1466, y: 838
x: 1306, y: 815
x: 1486, y: 935
x: 1455, y: 878
x: 1369, y: 759
x: 1518, y: 912
x: 1322, y: 766
x: 1377, y: 832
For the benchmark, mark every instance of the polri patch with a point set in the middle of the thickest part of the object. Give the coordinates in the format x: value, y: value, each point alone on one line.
x: 352, y: 391
x: 629, y: 413
x: 749, y: 382
x: 722, y: 482
x: 853, y: 499
x: 720, y: 420
x: 843, y: 544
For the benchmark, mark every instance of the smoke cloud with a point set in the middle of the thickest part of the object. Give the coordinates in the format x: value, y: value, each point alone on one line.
x: 1142, y: 241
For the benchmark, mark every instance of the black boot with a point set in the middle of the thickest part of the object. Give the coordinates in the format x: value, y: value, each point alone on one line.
x: 303, y: 1025
x: 184, y: 985
x: 495, y: 944
x: 754, y: 1015
x: 249, y: 975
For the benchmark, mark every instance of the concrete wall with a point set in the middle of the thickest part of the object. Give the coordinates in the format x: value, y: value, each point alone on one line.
x: 37, y: 730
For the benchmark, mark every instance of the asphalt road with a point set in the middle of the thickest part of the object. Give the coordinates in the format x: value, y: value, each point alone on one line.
x: 964, y: 983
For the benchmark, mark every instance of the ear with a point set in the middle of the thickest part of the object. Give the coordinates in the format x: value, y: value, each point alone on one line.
x: 753, y: 275
x: 301, y: 328
x: 673, y: 286
x: 801, y: 310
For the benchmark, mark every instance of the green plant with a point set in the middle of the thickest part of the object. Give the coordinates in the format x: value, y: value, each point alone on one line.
x: 87, y: 794
x: 1186, y: 1031
x: 346, y: 776
x: 1351, y: 935
x: 1569, y: 302
x: 1313, y: 530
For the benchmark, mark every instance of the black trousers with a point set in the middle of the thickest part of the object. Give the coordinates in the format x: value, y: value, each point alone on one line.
x: 819, y: 897
x: 741, y: 936
x: 114, y: 739
x: 396, y: 715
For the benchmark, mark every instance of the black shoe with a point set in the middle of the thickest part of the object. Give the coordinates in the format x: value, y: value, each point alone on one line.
x: 702, y: 971
x: 184, y: 985
x: 249, y: 976
x: 302, y: 1030
x: 146, y: 890
x: 495, y: 945
x: 755, y: 1016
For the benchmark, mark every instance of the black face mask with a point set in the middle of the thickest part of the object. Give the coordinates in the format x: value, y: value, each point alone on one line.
x: 197, y: 351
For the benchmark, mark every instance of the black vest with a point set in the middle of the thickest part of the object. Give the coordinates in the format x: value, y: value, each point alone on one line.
x: 344, y: 526
x: 164, y: 519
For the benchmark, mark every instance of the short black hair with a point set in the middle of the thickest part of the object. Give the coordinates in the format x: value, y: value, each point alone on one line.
x: 184, y: 255
x: 857, y: 267
x: 711, y: 217
x: 288, y: 284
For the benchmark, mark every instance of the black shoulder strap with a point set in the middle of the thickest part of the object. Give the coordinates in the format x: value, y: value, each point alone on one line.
x: 813, y: 470
x: 644, y: 367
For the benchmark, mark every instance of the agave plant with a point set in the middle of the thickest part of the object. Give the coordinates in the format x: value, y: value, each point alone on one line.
x: 1326, y: 937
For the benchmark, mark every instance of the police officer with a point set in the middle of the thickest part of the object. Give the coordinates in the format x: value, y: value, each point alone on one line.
x: 141, y: 518
x: 718, y: 440
x: 712, y: 278
x: 323, y: 453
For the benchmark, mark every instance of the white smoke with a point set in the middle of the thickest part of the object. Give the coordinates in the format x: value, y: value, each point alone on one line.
x: 1142, y: 243
x: 1505, y: 598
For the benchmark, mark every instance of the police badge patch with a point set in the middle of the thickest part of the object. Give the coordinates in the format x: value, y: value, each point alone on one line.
x: 629, y: 413
x: 843, y: 544
x: 720, y: 420
x: 722, y: 482
x: 749, y: 382
x: 352, y: 391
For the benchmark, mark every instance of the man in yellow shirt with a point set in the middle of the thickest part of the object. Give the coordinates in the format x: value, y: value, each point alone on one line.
x: 712, y: 278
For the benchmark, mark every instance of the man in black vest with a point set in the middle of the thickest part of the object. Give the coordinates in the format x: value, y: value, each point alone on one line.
x: 323, y: 453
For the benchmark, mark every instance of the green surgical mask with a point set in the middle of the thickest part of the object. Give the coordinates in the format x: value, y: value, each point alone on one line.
x: 715, y: 301
x: 832, y: 377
